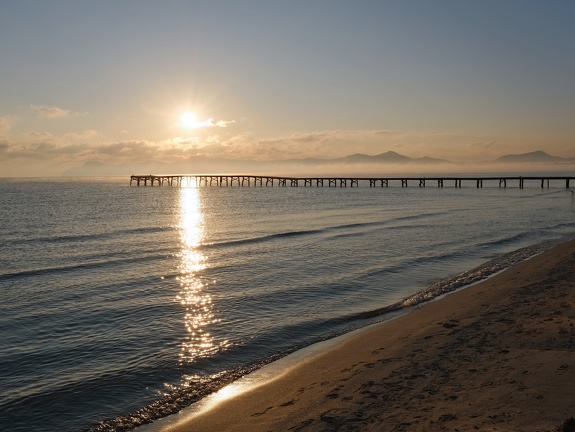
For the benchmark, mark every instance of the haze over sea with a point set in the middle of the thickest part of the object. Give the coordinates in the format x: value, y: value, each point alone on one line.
x: 117, y: 298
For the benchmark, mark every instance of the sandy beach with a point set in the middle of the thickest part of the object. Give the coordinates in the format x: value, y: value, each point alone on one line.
x: 497, y: 356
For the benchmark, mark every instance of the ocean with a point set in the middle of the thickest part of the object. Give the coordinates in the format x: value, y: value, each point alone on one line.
x: 123, y: 304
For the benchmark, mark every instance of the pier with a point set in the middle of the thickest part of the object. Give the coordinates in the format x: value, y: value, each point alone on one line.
x: 205, y: 180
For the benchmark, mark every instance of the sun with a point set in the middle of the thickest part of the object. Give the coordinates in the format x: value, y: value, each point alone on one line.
x: 189, y: 120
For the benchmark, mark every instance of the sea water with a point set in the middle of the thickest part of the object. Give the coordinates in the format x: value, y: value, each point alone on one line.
x: 123, y: 304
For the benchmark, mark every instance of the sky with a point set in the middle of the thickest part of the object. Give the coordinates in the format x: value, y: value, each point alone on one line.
x: 134, y: 84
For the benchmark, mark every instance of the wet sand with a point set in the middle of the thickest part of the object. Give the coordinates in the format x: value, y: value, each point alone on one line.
x: 497, y: 356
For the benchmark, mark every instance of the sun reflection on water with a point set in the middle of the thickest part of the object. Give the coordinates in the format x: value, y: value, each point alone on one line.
x: 197, y: 303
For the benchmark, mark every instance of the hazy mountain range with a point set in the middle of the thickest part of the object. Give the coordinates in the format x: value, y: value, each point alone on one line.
x: 534, y: 157
x: 390, y: 157
x: 205, y: 164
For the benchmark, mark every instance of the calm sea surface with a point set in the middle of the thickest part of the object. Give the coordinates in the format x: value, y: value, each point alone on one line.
x: 121, y: 300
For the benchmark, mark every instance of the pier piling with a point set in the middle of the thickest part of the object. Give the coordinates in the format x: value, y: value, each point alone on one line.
x: 206, y: 180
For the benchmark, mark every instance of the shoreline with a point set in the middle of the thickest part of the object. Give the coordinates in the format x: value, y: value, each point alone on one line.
x: 486, y: 357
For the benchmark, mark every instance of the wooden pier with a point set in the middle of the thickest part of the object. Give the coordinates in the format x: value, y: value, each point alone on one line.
x: 202, y: 180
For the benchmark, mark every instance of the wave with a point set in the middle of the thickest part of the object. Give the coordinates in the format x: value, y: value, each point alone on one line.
x: 81, y: 266
x: 300, y: 233
x: 61, y: 395
x: 523, y: 236
x: 255, y: 240
x: 479, y: 273
x: 506, y: 240
x: 460, y: 280
x: 88, y: 237
x: 397, y: 269
x: 186, y: 395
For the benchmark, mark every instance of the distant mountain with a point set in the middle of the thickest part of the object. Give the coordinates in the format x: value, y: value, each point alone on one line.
x: 94, y: 168
x: 206, y: 164
x: 354, y: 158
x: 387, y: 157
x: 538, y: 156
x: 393, y: 157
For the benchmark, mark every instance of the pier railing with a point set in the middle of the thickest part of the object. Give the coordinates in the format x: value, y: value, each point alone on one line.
x: 270, y: 181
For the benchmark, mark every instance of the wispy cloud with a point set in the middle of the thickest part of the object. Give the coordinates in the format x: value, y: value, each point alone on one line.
x: 381, y: 132
x: 5, y: 123
x: 50, y: 111
x: 90, y: 145
x: 208, y: 123
x: 62, y: 140
x: 211, y: 123
x: 73, y: 149
x: 483, y: 145
x: 53, y: 111
x: 223, y: 123
x: 315, y: 144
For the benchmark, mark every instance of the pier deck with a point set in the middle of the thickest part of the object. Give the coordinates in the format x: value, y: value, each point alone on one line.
x: 201, y: 180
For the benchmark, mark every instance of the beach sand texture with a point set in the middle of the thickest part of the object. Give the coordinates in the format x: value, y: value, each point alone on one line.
x: 497, y: 356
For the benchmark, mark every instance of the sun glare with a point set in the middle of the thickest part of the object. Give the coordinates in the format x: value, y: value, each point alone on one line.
x: 189, y: 120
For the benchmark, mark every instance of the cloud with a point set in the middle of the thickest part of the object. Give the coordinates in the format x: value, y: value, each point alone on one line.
x: 381, y: 132
x: 202, y: 124
x: 61, y: 140
x: 89, y: 135
x: 320, y: 144
x: 483, y: 145
x: 5, y: 123
x: 73, y: 149
x: 90, y: 145
x: 179, y: 142
x: 50, y: 112
x: 53, y: 111
x: 223, y: 123
x: 317, y: 144
x: 211, y: 149
x: 40, y: 135
x: 208, y: 123
x: 28, y: 151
